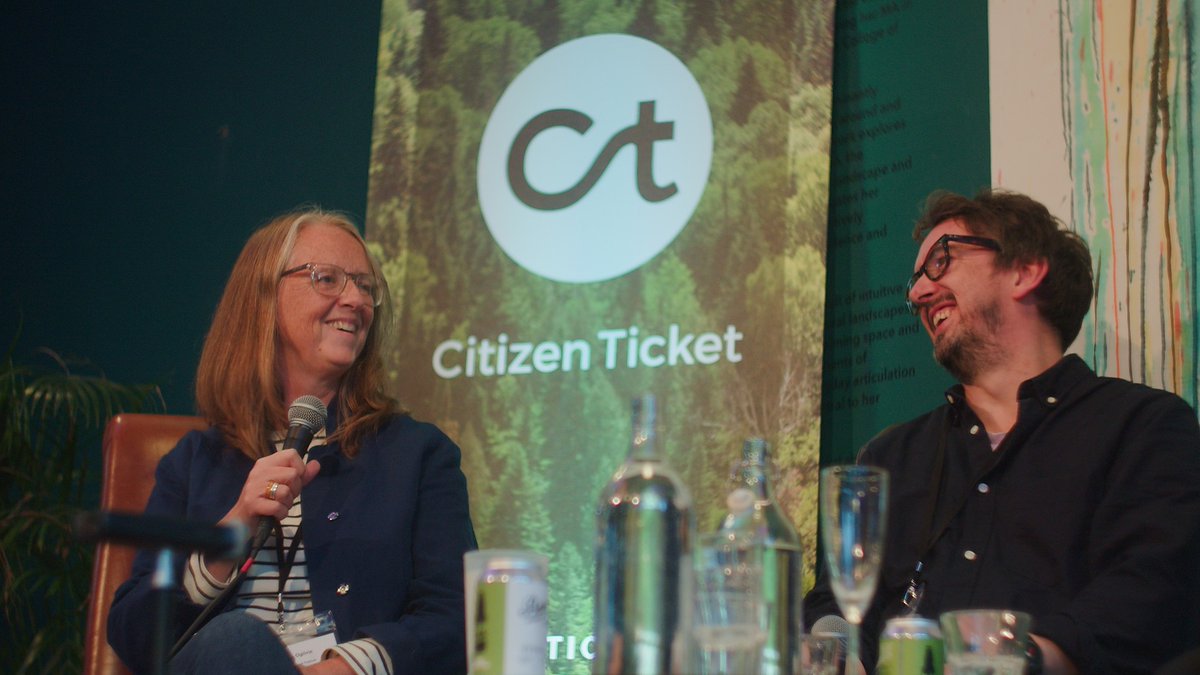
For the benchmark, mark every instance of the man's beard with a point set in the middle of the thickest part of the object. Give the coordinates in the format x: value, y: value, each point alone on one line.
x: 974, y: 349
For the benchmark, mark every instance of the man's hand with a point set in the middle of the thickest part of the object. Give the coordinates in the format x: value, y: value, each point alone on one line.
x: 1054, y: 661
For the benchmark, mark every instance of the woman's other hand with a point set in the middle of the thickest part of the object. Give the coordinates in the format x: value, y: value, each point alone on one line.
x: 333, y: 666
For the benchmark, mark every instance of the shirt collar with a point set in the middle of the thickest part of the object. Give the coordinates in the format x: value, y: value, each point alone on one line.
x: 1056, y: 384
x: 1050, y: 388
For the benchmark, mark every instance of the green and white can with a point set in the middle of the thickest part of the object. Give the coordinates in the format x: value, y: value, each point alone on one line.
x: 508, y: 604
x: 911, y: 645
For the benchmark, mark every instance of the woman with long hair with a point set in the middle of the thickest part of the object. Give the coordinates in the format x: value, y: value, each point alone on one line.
x: 374, y: 547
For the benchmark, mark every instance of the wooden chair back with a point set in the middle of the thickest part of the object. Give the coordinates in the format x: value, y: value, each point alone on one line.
x: 133, y: 444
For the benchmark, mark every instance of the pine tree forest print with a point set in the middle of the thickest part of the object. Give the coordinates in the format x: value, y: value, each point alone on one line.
x: 538, y: 448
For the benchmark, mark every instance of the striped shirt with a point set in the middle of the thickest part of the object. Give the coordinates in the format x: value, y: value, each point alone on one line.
x: 259, y: 593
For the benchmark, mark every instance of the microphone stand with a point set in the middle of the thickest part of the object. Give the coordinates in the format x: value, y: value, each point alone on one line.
x: 168, y: 535
x: 164, y: 584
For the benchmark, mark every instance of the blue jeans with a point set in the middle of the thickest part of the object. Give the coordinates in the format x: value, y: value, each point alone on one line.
x: 234, y: 642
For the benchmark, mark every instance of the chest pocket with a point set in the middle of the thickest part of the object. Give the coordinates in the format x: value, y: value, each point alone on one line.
x: 1032, y: 541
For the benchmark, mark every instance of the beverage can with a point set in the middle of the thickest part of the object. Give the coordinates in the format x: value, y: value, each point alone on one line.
x: 509, y: 603
x: 911, y: 645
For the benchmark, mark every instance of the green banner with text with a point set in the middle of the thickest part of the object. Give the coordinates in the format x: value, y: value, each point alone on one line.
x: 910, y: 115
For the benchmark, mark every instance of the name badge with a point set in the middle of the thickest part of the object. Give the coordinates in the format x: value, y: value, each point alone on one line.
x: 308, y: 652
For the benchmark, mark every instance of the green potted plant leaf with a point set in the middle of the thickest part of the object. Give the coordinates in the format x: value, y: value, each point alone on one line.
x: 51, y: 422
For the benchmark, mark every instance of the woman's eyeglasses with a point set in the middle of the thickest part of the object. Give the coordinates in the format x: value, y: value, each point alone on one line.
x: 330, y: 280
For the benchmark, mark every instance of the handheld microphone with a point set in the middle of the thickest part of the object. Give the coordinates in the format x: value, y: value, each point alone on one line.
x: 222, y: 541
x: 306, y: 416
x: 832, y: 624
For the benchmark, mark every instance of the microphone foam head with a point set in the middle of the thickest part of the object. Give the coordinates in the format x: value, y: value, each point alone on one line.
x: 832, y: 624
x: 308, y: 411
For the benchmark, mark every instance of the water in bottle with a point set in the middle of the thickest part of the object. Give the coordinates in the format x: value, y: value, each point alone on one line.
x: 644, y: 534
x: 752, y: 508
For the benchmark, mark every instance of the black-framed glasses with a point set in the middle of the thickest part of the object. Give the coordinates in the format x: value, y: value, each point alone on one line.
x: 329, y: 279
x: 937, y: 261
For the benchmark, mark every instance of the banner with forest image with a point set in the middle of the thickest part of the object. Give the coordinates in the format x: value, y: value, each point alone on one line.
x: 577, y: 201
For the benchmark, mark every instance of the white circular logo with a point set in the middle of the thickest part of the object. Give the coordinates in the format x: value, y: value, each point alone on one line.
x: 594, y: 158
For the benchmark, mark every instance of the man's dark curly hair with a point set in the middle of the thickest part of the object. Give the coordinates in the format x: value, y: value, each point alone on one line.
x: 1027, y: 232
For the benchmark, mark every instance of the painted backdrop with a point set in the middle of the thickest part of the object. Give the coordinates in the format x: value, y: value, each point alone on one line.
x: 1104, y: 131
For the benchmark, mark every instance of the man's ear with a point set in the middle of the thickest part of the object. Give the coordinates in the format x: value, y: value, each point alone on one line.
x: 1028, y: 276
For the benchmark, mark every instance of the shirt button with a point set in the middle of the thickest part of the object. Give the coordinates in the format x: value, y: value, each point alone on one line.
x: 969, y: 555
x: 344, y: 589
x: 974, y: 429
x: 983, y: 488
x: 1051, y: 400
x: 333, y: 515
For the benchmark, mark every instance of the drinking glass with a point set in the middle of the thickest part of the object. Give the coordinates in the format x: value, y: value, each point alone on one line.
x: 853, y: 518
x: 985, y: 641
x: 730, y: 616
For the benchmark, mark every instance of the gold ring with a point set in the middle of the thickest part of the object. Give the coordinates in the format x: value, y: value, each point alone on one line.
x: 272, y: 488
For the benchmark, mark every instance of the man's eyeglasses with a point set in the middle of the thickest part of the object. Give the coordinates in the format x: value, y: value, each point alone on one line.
x: 937, y: 261
x: 331, y: 280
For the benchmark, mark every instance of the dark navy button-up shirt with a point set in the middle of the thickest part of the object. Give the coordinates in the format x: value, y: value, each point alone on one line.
x: 1087, y: 516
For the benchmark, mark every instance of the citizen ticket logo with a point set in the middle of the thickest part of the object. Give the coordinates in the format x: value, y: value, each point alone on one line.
x: 594, y: 158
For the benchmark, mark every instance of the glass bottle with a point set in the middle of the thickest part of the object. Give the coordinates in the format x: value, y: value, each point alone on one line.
x: 782, y: 566
x: 643, y: 559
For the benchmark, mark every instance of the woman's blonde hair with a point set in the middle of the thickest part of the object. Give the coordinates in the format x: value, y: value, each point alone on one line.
x: 237, y: 382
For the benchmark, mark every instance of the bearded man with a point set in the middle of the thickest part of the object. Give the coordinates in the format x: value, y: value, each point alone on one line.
x: 1038, y: 486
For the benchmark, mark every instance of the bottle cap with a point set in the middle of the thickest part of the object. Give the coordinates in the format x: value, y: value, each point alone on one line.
x: 740, y: 501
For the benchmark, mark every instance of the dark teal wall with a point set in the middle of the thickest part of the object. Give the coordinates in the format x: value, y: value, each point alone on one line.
x: 143, y: 141
x: 910, y: 115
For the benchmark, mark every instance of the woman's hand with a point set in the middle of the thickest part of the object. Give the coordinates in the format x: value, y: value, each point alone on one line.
x: 282, y: 468
x: 333, y: 666
x: 289, y: 474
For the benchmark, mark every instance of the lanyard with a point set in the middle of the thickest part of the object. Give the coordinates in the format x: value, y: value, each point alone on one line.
x: 916, y: 584
x: 285, y: 563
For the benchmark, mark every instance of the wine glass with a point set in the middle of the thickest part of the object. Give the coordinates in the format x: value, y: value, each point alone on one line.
x: 853, y: 518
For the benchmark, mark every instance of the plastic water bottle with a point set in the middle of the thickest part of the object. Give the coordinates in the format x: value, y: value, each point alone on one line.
x: 643, y: 559
x: 752, y: 510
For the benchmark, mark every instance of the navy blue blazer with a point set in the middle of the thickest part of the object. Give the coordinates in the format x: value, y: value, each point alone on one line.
x: 390, y: 526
